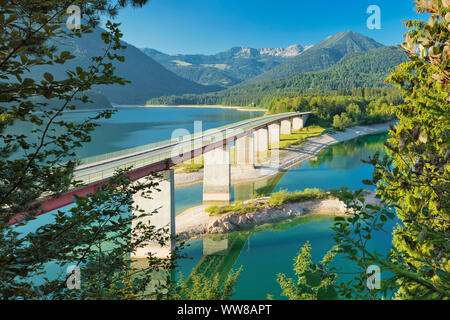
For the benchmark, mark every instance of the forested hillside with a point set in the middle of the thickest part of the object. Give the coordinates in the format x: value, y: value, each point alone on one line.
x: 356, y: 70
x: 148, y: 78
x: 362, y: 69
x: 342, y: 109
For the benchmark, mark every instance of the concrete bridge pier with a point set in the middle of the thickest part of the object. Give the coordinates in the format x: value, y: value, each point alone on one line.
x: 286, y: 127
x: 261, y: 140
x: 164, y: 202
x: 217, y: 175
x: 274, y: 136
x: 244, y: 152
x: 297, y: 123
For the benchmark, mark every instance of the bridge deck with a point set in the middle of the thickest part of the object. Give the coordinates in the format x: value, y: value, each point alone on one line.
x: 97, y: 170
x: 102, y: 167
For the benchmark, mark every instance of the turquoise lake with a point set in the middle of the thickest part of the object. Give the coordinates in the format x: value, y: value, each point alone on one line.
x: 267, y: 250
x: 131, y: 127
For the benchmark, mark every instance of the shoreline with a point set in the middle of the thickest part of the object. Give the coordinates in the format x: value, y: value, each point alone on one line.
x: 196, y: 223
x: 206, y: 106
x: 80, y: 110
x: 288, y: 157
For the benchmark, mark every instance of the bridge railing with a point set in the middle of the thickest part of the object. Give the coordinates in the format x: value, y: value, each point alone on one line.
x: 207, y: 137
x: 146, y: 147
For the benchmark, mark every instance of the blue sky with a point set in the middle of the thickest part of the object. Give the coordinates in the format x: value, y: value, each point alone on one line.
x: 211, y: 26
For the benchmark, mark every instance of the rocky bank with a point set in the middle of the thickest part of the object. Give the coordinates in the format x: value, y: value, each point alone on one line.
x: 196, y: 222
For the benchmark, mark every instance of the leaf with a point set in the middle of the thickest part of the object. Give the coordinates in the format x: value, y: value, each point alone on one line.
x: 48, y: 77
x: 327, y: 293
x: 313, y: 279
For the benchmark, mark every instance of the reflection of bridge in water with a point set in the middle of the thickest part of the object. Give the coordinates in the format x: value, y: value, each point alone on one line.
x: 220, y: 255
x: 261, y: 188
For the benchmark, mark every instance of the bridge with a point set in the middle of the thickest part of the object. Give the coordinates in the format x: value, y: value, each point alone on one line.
x: 252, y: 138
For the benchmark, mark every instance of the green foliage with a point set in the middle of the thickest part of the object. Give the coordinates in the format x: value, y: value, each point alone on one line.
x: 314, y: 281
x: 363, y: 107
x: 297, y: 137
x: 283, y: 197
x: 353, y: 235
x: 419, y: 149
x: 31, y: 163
x: 413, y: 179
x: 355, y: 70
x: 96, y: 234
x: 200, y: 287
x: 193, y: 168
x: 342, y: 121
x: 238, y: 207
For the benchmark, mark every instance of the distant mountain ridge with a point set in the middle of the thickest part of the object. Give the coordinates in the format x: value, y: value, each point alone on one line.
x: 323, y: 55
x: 148, y: 77
x: 291, y: 51
x: 241, y: 68
x: 225, y: 68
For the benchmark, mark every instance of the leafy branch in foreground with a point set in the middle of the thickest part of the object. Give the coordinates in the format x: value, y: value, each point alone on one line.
x: 99, y: 232
x: 200, y: 287
x: 314, y: 281
x: 39, y: 162
x: 96, y: 233
x: 412, y: 181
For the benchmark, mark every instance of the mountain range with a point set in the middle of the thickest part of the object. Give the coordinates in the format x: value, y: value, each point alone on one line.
x: 148, y: 77
x: 354, y: 70
x: 226, y: 68
x: 321, y: 56
x: 239, y: 75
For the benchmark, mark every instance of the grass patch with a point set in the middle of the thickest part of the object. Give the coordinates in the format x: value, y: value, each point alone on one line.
x: 283, y: 197
x: 330, y: 130
x: 297, y: 137
x: 198, y: 163
x: 239, y: 207
x: 276, y: 199
x: 192, y: 168
x: 192, y: 165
